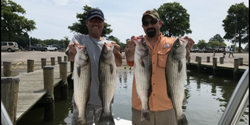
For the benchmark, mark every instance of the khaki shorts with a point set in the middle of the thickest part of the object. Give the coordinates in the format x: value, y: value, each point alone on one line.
x: 156, y: 118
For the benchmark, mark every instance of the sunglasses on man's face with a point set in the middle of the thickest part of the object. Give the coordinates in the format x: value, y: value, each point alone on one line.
x: 98, y: 20
x: 152, y: 22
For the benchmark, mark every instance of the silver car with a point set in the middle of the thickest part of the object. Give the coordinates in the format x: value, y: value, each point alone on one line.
x: 9, y: 46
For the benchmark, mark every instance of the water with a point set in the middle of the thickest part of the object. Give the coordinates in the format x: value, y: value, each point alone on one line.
x: 207, y: 98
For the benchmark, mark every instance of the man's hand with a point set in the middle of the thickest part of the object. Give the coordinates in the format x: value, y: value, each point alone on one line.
x: 72, y: 50
x: 189, y: 45
x: 131, y: 45
x: 116, y: 48
x: 118, y: 55
x: 130, y: 50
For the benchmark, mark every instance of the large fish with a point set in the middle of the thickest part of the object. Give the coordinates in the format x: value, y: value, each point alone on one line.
x: 107, y: 79
x: 82, y: 81
x: 143, y: 73
x: 176, y: 74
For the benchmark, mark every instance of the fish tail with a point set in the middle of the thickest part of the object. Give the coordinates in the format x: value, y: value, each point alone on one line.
x: 145, y: 115
x: 106, y: 118
x: 80, y: 121
x: 183, y: 120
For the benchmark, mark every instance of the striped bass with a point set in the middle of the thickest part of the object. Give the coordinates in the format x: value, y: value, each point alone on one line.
x: 175, y: 72
x: 143, y: 73
x: 82, y: 81
x: 107, y: 83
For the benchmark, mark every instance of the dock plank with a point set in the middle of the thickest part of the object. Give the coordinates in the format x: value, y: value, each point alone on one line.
x: 31, y: 89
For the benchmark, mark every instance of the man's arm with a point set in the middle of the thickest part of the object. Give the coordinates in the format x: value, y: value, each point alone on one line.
x: 118, y: 55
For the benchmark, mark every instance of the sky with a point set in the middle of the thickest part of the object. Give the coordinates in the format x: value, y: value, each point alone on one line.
x: 52, y: 17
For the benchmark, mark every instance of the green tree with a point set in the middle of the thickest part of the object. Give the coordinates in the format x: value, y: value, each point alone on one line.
x: 236, y: 24
x: 12, y: 23
x: 218, y: 38
x: 213, y: 44
x: 175, y: 19
x: 80, y: 26
x: 201, y: 44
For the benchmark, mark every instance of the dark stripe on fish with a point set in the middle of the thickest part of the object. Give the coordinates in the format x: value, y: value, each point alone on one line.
x: 111, y: 68
x: 179, y: 66
x: 79, y: 71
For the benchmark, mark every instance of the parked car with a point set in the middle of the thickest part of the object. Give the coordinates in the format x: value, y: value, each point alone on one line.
x: 223, y: 47
x: 195, y: 49
x: 207, y: 49
x: 51, y: 48
x: 9, y: 46
x: 37, y: 47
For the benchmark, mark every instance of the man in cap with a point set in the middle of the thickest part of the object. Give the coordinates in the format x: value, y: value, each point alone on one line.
x: 94, y: 43
x: 161, y: 108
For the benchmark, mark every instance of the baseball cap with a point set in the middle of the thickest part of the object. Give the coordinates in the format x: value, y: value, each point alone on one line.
x: 151, y: 13
x: 95, y: 13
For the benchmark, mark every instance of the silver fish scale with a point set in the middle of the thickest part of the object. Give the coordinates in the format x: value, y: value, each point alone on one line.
x: 107, y: 84
x: 81, y: 86
x: 175, y: 72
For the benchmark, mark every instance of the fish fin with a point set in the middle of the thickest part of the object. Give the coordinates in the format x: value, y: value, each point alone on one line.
x: 179, y: 66
x: 79, y: 71
x: 111, y: 68
x: 183, y: 120
x: 142, y: 63
x: 106, y: 118
x: 145, y: 115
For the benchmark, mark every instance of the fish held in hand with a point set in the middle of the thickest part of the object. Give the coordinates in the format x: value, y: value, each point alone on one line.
x: 175, y: 72
x: 143, y: 73
x: 107, y: 79
x: 82, y: 81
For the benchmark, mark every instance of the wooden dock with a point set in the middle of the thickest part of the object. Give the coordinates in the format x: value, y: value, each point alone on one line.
x: 31, y: 89
x: 233, y: 70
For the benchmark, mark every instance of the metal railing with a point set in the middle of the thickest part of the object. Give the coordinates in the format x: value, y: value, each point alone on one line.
x: 5, y: 119
x: 238, y: 102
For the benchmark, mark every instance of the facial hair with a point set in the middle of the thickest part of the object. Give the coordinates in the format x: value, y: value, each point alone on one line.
x: 151, y: 32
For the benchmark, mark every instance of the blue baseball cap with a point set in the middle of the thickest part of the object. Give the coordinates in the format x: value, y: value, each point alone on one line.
x: 95, y: 13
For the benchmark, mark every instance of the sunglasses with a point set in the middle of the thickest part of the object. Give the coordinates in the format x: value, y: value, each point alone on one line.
x: 98, y: 20
x: 152, y: 22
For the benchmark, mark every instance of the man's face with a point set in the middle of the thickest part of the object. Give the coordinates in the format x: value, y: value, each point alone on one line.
x: 95, y: 26
x: 151, y: 26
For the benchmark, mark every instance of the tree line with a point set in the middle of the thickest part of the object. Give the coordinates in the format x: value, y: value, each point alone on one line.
x: 15, y: 27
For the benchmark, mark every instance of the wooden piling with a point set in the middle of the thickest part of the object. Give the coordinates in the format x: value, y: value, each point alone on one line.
x: 196, y: 58
x: 240, y: 61
x: 7, y: 69
x: 48, y: 79
x: 30, y: 65
x: 43, y: 62
x: 198, y: 64
x: 65, y: 59
x: 221, y: 60
x: 59, y: 59
x: 52, y: 61
x: 208, y: 59
x: 9, y: 94
x: 236, y: 68
x: 189, y: 58
x: 63, y: 83
x: 214, y: 66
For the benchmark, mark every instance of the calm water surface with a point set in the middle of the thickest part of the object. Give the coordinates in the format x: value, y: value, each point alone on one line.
x: 207, y: 98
